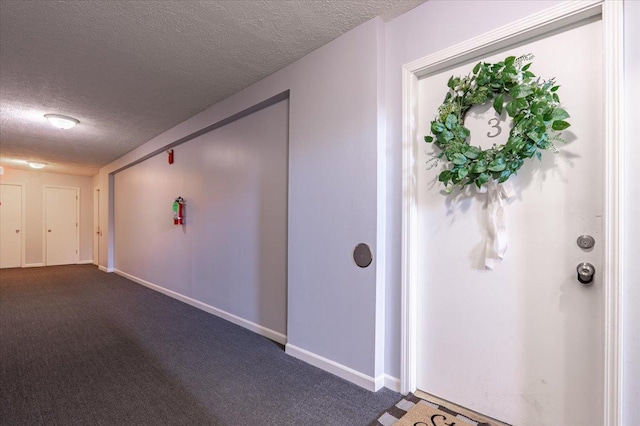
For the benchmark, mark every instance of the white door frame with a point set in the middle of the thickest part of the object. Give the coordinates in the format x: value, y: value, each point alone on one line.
x: 550, y: 19
x: 23, y: 248
x: 44, y: 220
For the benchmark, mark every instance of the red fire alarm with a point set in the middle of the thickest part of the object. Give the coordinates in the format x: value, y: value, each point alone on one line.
x: 170, y: 153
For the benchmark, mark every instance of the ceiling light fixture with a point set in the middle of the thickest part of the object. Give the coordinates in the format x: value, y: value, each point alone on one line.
x: 35, y: 165
x: 61, y: 121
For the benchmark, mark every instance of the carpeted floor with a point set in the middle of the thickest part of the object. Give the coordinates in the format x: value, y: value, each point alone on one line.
x: 82, y: 347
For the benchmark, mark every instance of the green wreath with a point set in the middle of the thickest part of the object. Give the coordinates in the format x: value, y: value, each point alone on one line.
x: 533, y: 104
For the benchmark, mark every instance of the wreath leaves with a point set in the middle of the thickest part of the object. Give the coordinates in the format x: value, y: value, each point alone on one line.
x: 533, y: 104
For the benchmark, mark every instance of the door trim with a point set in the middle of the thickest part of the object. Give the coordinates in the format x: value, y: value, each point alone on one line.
x: 23, y: 207
x: 44, y: 220
x: 548, y: 20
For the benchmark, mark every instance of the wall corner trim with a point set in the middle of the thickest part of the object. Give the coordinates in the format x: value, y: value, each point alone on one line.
x: 342, y: 371
x: 103, y: 269
x: 256, y: 328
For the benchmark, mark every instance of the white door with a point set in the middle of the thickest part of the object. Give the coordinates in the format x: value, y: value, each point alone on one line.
x: 61, y: 225
x: 522, y: 343
x: 96, y: 226
x: 10, y: 226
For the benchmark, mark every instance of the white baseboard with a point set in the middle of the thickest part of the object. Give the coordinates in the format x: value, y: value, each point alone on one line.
x: 342, y: 371
x: 103, y: 269
x: 392, y: 383
x: 256, y: 328
x: 38, y: 265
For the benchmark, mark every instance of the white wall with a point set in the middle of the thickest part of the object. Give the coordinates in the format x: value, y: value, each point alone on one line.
x: 34, y: 182
x: 333, y: 147
x: 631, y: 288
x: 232, y: 251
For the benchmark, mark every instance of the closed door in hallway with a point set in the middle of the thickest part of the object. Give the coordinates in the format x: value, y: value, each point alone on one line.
x: 61, y: 225
x: 11, y: 232
x: 97, y: 233
x: 522, y: 343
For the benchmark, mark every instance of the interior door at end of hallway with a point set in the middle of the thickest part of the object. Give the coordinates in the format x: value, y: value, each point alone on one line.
x: 61, y: 225
x: 11, y: 226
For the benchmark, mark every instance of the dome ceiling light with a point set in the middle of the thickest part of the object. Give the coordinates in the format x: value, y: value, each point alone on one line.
x: 35, y: 165
x: 61, y: 121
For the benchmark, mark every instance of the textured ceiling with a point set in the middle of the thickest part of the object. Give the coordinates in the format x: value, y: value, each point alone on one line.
x: 129, y: 70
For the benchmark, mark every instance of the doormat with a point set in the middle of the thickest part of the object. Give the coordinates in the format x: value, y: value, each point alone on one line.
x: 412, y: 410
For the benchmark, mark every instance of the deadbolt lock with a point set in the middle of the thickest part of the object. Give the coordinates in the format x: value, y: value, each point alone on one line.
x: 586, y: 242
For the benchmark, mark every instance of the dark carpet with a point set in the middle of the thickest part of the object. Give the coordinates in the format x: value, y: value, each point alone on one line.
x: 82, y: 347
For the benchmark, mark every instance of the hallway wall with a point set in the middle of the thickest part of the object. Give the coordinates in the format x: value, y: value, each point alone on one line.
x: 334, y: 307
x: 231, y: 253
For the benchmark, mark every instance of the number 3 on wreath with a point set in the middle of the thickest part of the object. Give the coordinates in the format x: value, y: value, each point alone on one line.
x: 531, y: 102
x: 496, y: 125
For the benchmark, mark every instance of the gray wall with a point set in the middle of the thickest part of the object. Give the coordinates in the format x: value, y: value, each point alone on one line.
x: 34, y: 183
x: 232, y: 251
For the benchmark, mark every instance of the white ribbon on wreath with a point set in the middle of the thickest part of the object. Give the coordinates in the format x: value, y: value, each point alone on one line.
x: 497, y: 238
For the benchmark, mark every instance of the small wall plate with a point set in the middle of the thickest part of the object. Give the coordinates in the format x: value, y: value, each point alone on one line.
x: 362, y: 255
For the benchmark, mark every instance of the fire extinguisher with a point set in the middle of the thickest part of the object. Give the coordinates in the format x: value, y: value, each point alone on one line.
x: 178, y: 211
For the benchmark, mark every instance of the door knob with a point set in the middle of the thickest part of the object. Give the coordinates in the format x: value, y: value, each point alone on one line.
x: 585, y: 271
x: 48, y: 230
x: 17, y: 231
